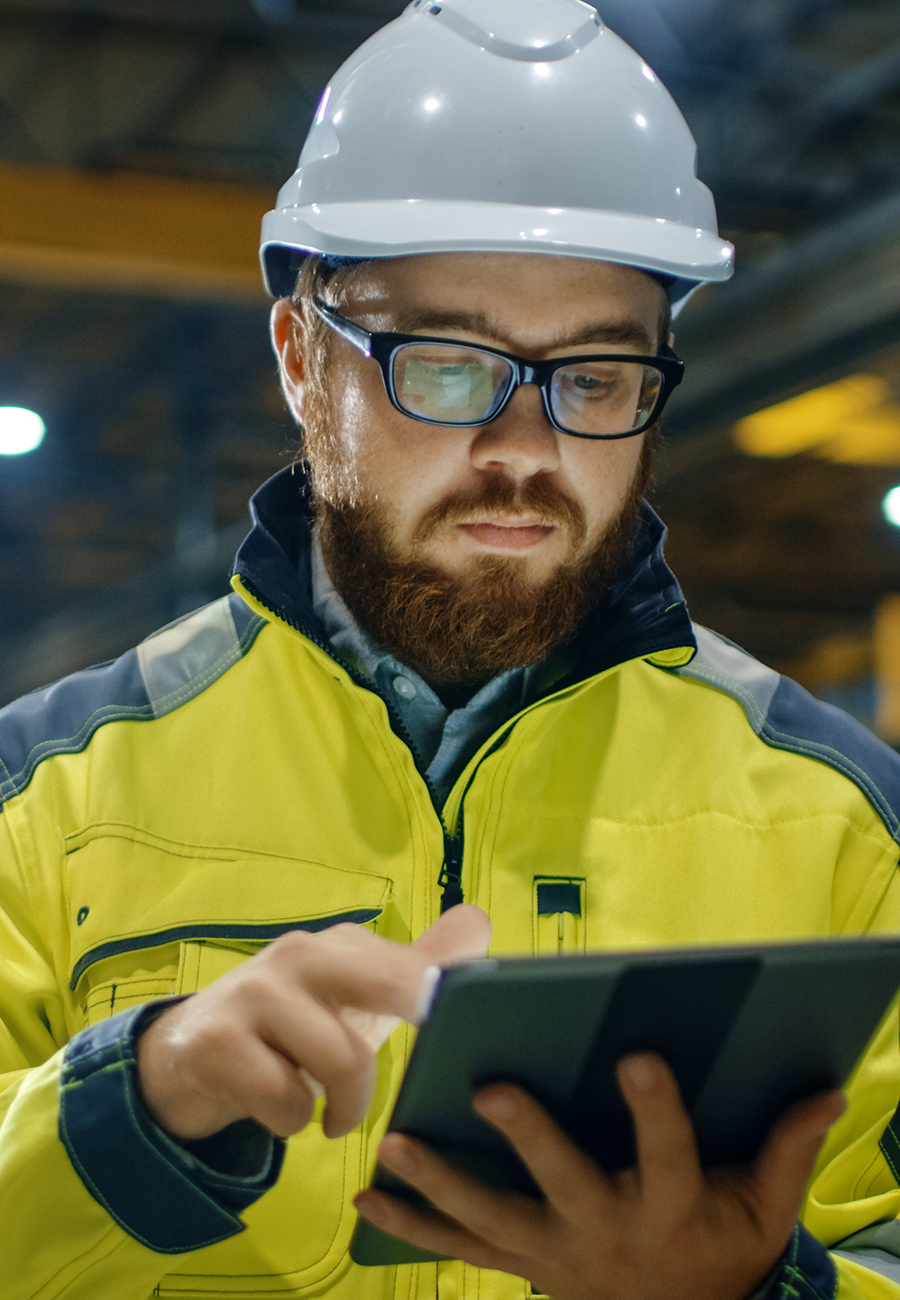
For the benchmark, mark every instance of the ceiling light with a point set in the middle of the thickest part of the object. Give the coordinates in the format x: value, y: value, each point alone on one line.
x: 20, y: 430
x: 891, y: 506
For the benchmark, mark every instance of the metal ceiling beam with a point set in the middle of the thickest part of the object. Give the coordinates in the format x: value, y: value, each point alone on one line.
x: 854, y: 90
x: 163, y: 114
x: 127, y: 233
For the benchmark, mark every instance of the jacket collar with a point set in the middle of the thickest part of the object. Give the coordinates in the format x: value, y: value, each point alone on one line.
x: 643, y: 614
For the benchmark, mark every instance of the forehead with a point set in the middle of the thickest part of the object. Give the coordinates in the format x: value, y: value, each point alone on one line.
x: 528, y: 298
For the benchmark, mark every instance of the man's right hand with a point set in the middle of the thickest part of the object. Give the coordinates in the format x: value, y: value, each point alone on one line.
x: 309, y: 1008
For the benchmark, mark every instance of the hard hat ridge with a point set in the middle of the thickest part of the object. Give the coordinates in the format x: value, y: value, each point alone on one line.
x: 498, y: 126
x: 537, y: 31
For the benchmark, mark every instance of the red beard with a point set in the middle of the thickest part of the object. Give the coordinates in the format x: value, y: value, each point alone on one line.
x: 470, y: 627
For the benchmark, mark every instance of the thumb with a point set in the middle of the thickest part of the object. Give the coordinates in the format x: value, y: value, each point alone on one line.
x: 460, y: 934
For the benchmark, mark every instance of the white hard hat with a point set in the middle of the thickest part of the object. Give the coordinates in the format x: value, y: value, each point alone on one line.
x: 498, y: 126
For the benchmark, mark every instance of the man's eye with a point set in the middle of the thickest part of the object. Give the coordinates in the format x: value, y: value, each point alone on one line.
x: 449, y: 371
x: 591, y: 385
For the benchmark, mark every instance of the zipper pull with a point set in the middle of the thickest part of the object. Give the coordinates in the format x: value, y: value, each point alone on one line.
x: 450, y: 878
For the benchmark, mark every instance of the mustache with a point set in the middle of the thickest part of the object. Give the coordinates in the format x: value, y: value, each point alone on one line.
x: 499, y: 495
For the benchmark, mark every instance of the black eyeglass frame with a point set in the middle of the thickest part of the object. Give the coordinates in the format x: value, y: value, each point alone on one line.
x: 383, y: 347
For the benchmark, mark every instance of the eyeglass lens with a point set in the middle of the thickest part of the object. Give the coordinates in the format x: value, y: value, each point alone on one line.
x: 455, y: 385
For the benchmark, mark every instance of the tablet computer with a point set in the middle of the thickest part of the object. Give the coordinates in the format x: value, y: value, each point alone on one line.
x: 747, y: 1030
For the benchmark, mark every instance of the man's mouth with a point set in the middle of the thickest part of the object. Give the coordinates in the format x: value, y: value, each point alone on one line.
x: 509, y: 533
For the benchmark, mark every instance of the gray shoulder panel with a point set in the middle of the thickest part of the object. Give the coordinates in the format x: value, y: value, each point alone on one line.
x: 164, y: 672
x: 719, y: 663
x: 181, y: 660
x: 786, y: 716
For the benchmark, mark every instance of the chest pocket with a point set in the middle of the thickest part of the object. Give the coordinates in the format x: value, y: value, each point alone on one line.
x: 558, y: 915
x: 149, y: 918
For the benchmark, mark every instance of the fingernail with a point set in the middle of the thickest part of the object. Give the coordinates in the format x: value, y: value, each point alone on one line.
x: 369, y: 1208
x: 640, y: 1074
x: 498, y: 1105
x: 427, y: 993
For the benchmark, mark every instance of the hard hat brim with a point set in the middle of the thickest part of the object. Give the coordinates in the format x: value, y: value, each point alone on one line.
x: 404, y: 227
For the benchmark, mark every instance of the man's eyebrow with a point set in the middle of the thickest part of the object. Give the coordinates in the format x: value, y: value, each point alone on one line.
x: 622, y: 333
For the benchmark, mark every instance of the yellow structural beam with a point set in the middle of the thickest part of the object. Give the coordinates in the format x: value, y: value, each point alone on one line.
x: 854, y: 421
x: 887, y: 668
x: 130, y: 233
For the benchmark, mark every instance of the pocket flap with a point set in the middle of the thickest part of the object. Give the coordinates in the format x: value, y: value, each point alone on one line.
x: 127, y: 891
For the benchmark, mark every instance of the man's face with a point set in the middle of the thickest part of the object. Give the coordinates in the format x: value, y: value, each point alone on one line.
x: 514, y: 496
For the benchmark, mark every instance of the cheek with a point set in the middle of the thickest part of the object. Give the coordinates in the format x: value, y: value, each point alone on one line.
x: 400, y: 470
x: 602, y: 475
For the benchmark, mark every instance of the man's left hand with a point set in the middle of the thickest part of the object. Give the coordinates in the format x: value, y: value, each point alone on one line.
x: 666, y: 1230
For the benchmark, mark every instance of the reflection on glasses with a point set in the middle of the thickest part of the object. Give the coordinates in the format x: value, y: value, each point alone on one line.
x: 438, y: 381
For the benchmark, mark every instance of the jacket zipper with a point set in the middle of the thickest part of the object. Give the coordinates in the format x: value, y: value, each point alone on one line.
x: 450, y: 878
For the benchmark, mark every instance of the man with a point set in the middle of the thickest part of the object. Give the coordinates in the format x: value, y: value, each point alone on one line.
x: 455, y: 668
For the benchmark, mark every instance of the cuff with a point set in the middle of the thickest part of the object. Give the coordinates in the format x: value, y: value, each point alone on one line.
x: 171, y: 1198
x: 805, y: 1271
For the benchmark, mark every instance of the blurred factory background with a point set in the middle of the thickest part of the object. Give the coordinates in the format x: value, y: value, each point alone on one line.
x: 142, y: 140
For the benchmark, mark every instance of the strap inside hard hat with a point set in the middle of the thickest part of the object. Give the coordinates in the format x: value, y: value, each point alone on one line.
x: 334, y: 261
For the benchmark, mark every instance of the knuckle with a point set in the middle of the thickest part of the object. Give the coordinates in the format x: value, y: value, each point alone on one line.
x: 292, y: 944
x: 214, y: 1040
x: 254, y: 988
x: 496, y: 1224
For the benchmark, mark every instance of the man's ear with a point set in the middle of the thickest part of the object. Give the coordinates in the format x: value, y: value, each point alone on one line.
x: 671, y: 340
x: 286, y: 330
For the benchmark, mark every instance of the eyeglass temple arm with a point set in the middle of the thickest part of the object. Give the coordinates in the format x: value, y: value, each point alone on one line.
x: 353, y: 333
x: 676, y: 372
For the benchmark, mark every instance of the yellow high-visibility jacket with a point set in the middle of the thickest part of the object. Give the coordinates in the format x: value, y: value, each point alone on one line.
x: 168, y: 814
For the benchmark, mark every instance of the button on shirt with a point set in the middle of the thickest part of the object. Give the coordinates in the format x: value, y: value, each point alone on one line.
x: 443, y: 739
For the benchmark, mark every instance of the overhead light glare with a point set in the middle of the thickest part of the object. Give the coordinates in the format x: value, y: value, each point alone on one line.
x: 891, y: 507
x: 20, y: 430
x: 323, y: 106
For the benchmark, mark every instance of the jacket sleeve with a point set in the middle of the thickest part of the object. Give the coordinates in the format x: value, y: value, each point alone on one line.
x: 94, y: 1198
x: 854, y: 1192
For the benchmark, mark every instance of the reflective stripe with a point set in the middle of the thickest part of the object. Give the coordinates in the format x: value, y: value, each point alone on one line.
x: 787, y: 717
x: 179, y: 661
x: 721, y: 664
x: 167, y: 670
x: 62, y: 718
x: 873, y: 1257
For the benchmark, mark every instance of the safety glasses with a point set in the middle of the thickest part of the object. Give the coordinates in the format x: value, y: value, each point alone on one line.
x: 444, y: 382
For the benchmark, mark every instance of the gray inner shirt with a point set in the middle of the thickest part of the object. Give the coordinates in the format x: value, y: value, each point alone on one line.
x: 443, y: 739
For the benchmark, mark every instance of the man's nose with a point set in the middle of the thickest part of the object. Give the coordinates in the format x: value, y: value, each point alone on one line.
x: 521, y: 440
